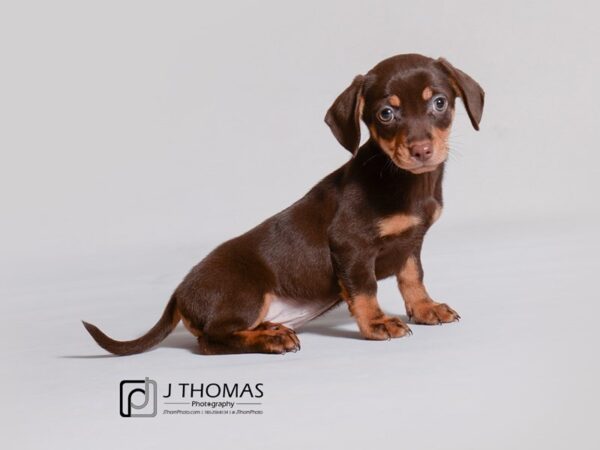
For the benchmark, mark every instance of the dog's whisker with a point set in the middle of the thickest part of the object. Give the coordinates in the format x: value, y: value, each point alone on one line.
x: 371, y: 158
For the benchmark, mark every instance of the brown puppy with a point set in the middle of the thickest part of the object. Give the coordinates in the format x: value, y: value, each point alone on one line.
x: 361, y: 223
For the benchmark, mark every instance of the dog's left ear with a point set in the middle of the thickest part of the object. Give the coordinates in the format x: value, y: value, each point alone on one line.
x: 468, y: 89
x: 343, y: 117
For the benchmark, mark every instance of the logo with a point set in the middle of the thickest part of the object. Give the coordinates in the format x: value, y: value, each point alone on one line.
x: 142, y: 398
x: 138, y: 398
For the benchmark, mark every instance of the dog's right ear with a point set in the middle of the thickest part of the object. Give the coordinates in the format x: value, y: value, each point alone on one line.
x: 343, y: 117
x: 468, y: 89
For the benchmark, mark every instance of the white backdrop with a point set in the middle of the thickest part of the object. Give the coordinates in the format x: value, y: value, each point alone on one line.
x: 135, y: 122
x: 136, y: 135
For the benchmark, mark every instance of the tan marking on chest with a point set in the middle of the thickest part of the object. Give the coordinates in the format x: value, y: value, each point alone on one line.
x: 397, y: 224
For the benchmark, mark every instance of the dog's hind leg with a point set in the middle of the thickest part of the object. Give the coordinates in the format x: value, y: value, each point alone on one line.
x: 267, y: 337
x: 244, y: 330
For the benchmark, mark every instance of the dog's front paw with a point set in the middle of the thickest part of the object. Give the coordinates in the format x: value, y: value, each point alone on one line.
x: 428, y: 312
x: 385, y: 328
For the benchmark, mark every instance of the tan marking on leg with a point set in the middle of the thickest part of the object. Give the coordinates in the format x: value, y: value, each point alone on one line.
x: 427, y: 93
x: 364, y: 308
x: 267, y: 299
x: 409, y: 281
x: 343, y: 291
x: 269, y: 337
x: 372, y: 322
x: 397, y: 224
x: 419, y: 306
x: 394, y: 100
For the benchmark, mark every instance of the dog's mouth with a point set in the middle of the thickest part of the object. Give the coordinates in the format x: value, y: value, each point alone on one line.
x: 423, y: 169
x: 415, y: 166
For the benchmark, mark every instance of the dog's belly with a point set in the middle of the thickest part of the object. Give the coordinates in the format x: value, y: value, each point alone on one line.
x: 294, y: 314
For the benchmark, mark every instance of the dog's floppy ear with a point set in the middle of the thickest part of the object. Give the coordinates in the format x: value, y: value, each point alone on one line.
x: 468, y: 89
x: 343, y: 117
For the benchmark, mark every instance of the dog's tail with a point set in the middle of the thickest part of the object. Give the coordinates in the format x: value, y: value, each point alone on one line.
x: 157, y: 333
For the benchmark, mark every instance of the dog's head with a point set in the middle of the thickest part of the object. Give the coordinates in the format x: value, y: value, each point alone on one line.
x: 407, y: 103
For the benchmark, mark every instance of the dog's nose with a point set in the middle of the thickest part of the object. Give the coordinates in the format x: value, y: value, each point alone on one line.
x: 421, y: 150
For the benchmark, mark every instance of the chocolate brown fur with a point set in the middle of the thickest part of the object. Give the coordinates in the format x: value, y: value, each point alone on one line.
x: 328, y: 247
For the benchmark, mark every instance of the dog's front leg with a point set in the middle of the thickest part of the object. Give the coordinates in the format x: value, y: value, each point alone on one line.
x: 420, y: 308
x: 356, y: 276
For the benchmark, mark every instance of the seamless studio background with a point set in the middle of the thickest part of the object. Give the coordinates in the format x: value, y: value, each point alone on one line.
x: 136, y: 136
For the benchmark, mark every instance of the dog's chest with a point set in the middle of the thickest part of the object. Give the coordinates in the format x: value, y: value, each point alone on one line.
x: 399, y: 235
x: 423, y: 214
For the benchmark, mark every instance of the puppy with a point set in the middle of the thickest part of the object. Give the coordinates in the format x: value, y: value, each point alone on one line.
x: 362, y: 223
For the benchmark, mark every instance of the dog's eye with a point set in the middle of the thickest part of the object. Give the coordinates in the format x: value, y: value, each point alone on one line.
x: 386, y: 114
x: 440, y: 103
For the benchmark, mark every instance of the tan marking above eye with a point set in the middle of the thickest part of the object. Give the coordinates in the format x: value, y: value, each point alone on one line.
x: 394, y: 100
x: 427, y: 93
x: 397, y: 224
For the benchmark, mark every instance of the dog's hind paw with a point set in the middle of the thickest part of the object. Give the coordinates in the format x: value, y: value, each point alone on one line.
x: 276, y: 338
